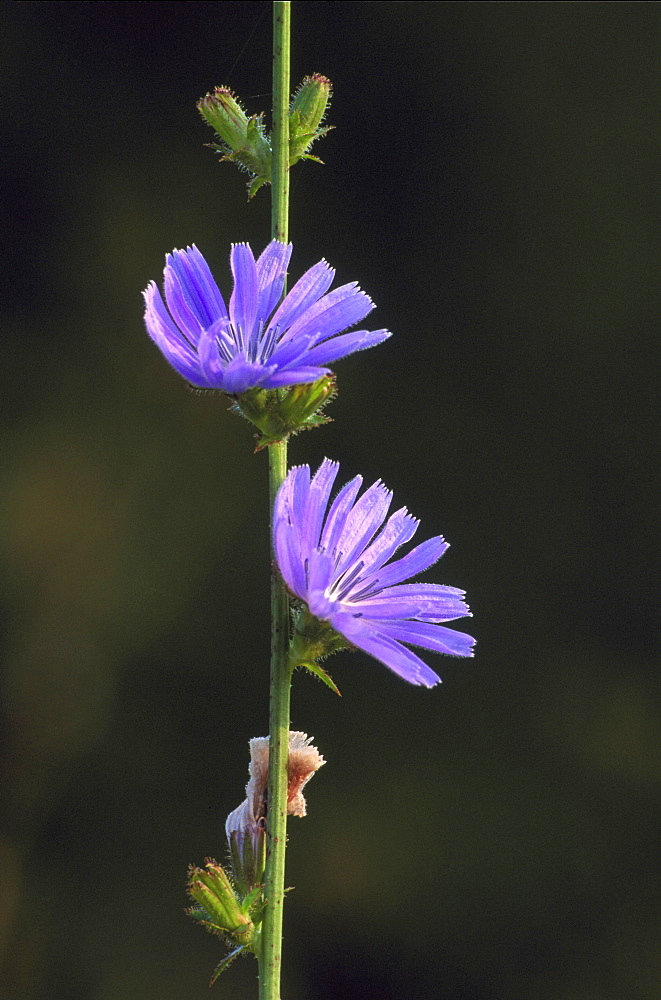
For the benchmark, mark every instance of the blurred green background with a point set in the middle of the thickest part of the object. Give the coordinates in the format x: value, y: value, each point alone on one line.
x: 492, y: 183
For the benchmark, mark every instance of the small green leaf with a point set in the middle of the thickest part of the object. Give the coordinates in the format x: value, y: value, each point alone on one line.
x: 314, y: 668
x: 222, y: 965
x: 255, y: 184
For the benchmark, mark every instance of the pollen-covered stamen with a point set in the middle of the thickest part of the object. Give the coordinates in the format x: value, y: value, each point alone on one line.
x: 236, y: 333
x: 268, y: 342
x: 371, y: 590
x: 342, y: 587
x: 225, y: 346
x: 254, y: 348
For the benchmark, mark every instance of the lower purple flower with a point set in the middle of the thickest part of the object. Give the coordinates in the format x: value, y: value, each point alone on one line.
x: 337, y: 559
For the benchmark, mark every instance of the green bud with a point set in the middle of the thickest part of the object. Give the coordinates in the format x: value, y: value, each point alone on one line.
x: 278, y: 414
x: 226, y: 117
x: 243, y: 140
x: 306, y: 113
x: 217, y: 905
x: 311, y: 100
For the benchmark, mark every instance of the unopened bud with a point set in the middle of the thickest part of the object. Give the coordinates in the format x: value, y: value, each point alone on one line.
x: 226, y: 117
x: 218, y: 908
x: 306, y: 113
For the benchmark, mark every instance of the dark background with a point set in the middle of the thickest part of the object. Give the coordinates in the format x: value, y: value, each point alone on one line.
x: 492, y: 183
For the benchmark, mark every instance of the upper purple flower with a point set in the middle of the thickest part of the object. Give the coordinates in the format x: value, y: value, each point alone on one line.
x: 256, y: 342
x: 335, y: 561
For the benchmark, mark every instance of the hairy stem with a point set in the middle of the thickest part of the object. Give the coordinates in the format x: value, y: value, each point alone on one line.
x: 280, y: 122
x: 276, y: 833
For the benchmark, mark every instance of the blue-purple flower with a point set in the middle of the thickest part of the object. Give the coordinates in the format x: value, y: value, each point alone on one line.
x: 338, y: 559
x: 258, y: 341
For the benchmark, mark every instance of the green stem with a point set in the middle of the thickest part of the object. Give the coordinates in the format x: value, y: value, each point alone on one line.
x: 276, y: 827
x: 280, y: 122
x: 270, y: 959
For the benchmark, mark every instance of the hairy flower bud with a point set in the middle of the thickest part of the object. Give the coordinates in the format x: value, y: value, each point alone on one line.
x: 218, y: 907
x: 306, y: 113
x: 226, y: 116
x: 243, y: 140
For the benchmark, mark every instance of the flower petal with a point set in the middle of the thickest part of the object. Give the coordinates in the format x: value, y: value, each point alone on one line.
x: 240, y: 375
x: 310, y: 287
x: 335, y: 312
x: 418, y: 559
x: 342, y: 504
x: 211, y: 299
x: 293, y: 376
x: 271, y: 269
x: 288, y: 554
x: 291, y: 353
x: 288, y: 513
x: 398, y: 529
x: 436, y: 637
x: 386, y: 649
x: 211, y: 362
x: 429, y: 602
x: 362, y: 522
x: 319, y: 567
x: 173, y: 345
x: 245, y: 294
x: 192, y: 295
x: 291, y: 500
x: 348, y: 343
x: 317, y: 502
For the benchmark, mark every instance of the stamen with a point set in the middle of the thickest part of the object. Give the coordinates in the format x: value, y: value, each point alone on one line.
x: 237, y: 334
x: 371, y: 590
x: 269, y: 343
x: 224, y: 348
x: 343, y: 586
x: 253, y: 346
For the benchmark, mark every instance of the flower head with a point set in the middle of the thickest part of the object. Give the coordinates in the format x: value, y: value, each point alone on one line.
x: 337, y: 560
x: 256, y: 342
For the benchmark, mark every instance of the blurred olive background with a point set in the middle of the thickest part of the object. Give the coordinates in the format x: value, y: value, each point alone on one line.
x: 492, y: 183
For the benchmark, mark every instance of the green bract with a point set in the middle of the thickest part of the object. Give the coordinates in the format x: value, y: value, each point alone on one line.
x: 219, y: 909
x: 277, y: 413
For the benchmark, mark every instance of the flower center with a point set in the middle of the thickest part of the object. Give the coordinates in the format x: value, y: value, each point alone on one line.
x: 257, y: 349
x: 345, y: 588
